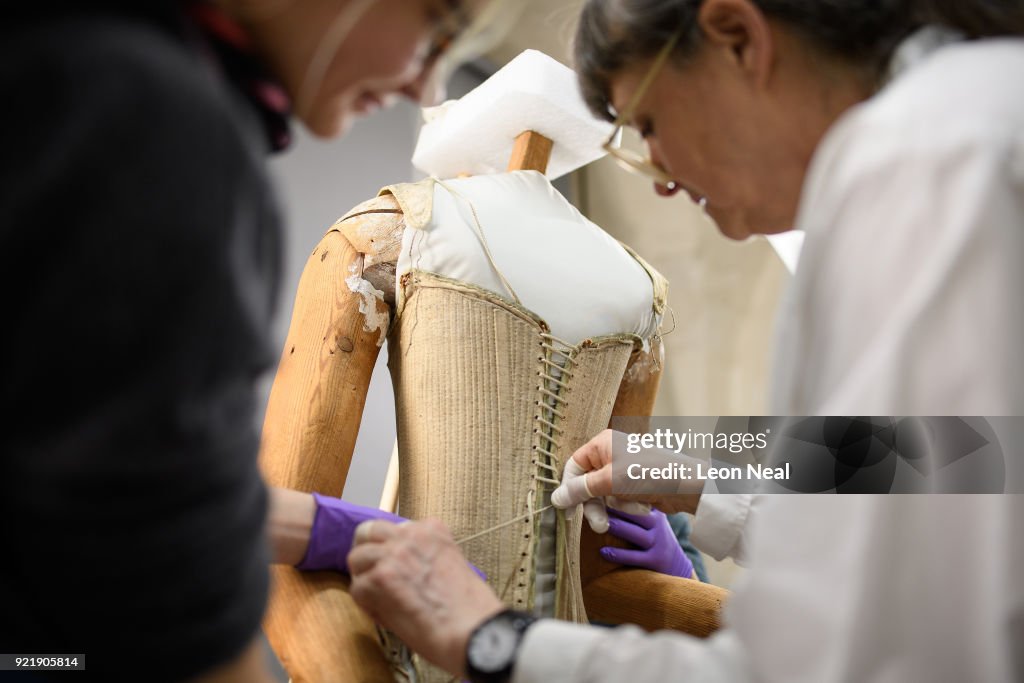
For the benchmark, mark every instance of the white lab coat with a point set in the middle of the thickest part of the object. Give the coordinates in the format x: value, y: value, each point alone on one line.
x: 906, y: 302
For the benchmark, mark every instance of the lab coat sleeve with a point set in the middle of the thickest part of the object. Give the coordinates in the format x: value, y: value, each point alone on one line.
x: 560, y: 651
x: 721, y: 525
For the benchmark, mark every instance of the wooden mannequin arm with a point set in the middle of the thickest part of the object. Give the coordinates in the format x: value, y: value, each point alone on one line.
x: 317, y: 399
x: 309, y: 434
x: 655, y: 601
x: 633, y: 406
x: 639, y: 386
x: 618, y: 595
x: 614, y: 594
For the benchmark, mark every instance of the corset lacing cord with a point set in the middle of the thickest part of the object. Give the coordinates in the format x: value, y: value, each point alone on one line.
x: 552, y: 390
x: 548, y: 467
x: 557, y: 367
x: 507, y: 522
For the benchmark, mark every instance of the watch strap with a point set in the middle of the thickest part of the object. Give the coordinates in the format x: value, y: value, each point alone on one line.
x: 518, y: 622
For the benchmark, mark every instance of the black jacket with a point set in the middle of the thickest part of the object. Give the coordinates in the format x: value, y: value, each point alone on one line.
x: 139, y: 261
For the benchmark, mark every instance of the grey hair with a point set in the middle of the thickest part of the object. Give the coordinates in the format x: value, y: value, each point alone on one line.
x: 613, y: 34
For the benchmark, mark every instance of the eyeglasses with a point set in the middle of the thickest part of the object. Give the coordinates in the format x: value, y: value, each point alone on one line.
x: 452, y: 22
x: 629, y: 160
x: 458, y: 35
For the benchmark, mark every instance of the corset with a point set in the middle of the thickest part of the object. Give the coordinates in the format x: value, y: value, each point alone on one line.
x: 489, y: 406
x: 491, y: 397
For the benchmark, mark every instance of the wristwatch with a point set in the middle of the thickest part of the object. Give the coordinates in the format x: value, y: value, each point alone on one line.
x: 492, y: 647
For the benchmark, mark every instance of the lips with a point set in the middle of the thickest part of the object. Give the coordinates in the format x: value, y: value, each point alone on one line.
x: 367, y: 103
x: 673, y: 188
x: 666, y: 190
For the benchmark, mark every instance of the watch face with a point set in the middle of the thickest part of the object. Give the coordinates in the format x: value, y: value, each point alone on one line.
x: 493, y: 646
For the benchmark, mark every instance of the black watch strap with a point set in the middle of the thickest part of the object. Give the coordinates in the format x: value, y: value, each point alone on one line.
x: 504, y: 631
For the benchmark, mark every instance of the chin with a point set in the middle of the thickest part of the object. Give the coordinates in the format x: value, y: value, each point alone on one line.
x: 739, y: 225
x: 730, y: 222
x: 736, y: 234
x: 326, y: 130
x: 327, y: 123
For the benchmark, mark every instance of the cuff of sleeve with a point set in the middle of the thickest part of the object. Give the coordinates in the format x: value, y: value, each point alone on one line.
x: 554, y: 651
x: 719, y: 523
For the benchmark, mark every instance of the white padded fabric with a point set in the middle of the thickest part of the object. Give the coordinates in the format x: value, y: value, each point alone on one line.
x: 475, y: 134
x: 565, y: 269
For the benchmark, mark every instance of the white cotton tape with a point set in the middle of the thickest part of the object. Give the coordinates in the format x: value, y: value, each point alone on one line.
x: 596, y: 515
x: 375, y: 320
x: 628, y: 506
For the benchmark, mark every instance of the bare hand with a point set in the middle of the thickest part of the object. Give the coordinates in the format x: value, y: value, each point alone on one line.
x: 413, y: 579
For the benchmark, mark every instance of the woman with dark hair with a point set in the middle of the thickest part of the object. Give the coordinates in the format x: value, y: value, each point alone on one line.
x: 140, y: 250
x: 892, y: 133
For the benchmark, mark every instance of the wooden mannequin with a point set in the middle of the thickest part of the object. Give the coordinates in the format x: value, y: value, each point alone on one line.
x: 310, y: 431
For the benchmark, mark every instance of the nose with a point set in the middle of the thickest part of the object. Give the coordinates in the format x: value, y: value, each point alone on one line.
x: 427, y: 89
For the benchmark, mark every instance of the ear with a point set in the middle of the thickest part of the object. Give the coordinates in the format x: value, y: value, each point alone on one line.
x: 741, y: 32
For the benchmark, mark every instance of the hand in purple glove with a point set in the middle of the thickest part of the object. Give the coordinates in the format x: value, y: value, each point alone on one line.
x: 330, y: 539
x: 658, y: 547
x: 334, y: 526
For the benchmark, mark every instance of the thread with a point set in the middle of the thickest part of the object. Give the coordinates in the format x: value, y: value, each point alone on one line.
x: 478, y: 230
x: 494, y: 528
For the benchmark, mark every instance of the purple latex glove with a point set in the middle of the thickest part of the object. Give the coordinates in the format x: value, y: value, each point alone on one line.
x: 334, y: 526
x: 659, y: 549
